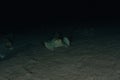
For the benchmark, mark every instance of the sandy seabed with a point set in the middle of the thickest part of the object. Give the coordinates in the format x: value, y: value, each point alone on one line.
x: 86, y: 59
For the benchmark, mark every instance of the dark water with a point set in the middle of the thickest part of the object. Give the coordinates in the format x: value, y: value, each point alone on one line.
x: 71, y: 27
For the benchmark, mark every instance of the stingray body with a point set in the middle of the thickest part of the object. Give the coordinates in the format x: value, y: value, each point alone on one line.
x: 57, y: 42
